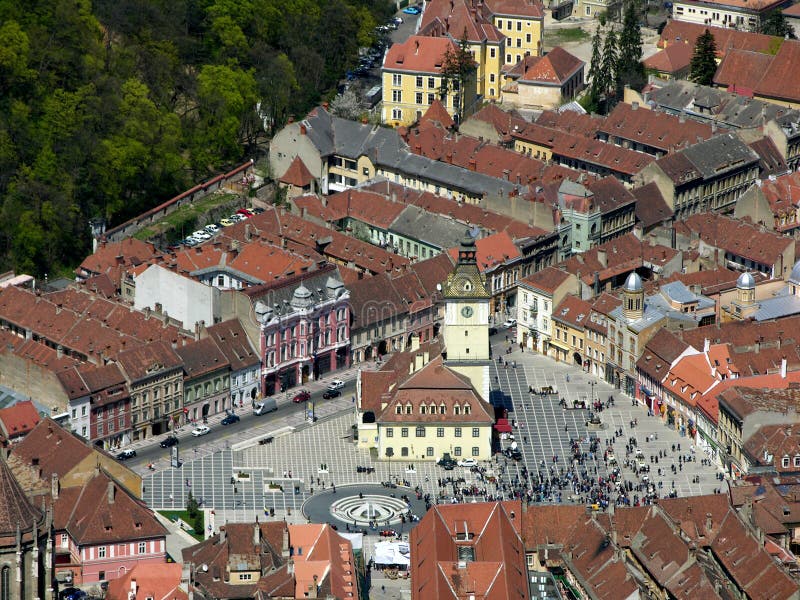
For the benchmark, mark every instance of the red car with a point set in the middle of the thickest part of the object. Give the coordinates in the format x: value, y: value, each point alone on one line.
x: 246, y: 212
x: 388, y: 533
x: 303, y: 396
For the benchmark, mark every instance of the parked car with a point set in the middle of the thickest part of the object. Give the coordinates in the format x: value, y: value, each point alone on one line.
x: 447, y: 462
x: 412, y: 10
x: 468, y: 462
x: 236, y: 217
x: 336, y: 384
x: 331, y: 394
x: 302, y: 396
x: 265, y: 406
x: 200, y: 430
x: 509, y: 323
x: 190, y: 242
x: 169, y: 442
x: 226, y: 222
x: 201, y: 235
x: 246, y: 212
x: 211, y: 228
x: 397, y: 20
x: 231, y: 419
x: 258, y: 210
x: 126, y: 454
x: 71, y: 593
x: 388, y: 533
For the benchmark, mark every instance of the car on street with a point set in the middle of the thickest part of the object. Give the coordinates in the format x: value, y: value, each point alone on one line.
x: 201, y: 235
x: 447, y: 462
x: 328, y: 394
x: 397, y: 20
x: 126, y: 454
x: 265, y: 406
x: 211, y: 228
x: 388, y: 533
x: 302, y: 396
x: 336, y: 384
x: 200, y: 430
x: 510, y: 323
x: 231, y: 419
x: 169, y: 442
x: 226, y: 222
x: 412, y: 10
x: 468, y: 462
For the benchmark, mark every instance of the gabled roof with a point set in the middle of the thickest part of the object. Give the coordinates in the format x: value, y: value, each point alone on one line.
x: 16, y: 511
x: 493, y: 250
x: 545, y: 281
x: 147, y: 359
x: 437, y: 114
x: 202, y: 357
x: 651, y: 208
x: 682, y: 33
x: 554, y: 68
x: 673, y: 59
x: 52, y: 449
x: 572, y: 311
x: 297, y: 173
x: 159, y: 581
x: 767, y: 75
x: 18, y: 419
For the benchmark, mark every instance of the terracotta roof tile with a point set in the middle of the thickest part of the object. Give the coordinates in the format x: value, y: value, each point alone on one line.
x: 547, y: 280
x: 19, y: 419
x: 418, y: 54
x: 673, y: 59
x: 726, y: 38
x: 297, y: 173
x: 233, y: 342
x: 202, y: 357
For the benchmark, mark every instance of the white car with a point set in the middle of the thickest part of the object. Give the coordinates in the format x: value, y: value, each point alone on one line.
x: 468, y: 462
x: 200, y: 430
x: 336, y: 384
x: 201, y: 235
x: 510, y: 323
x: 212, y: 229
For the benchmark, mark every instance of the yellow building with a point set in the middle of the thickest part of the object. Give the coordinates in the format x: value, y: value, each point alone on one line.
x: 498, y: 33
x: 412, y: 81
x: 569, y: 330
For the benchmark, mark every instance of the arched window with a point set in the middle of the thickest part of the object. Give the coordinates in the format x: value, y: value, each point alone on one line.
x: 5, y: 583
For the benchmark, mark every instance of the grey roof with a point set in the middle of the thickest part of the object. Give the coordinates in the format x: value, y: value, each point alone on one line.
x: 573, y: 107
x: 281, y: 301
x: 385, y: 148
x: 633, y: 283
x: 731, y: 110
x: 650, y: 317
x: 435, y: 230
x: 795, y: 275
x: 678, y: 292
x: 720, y: 154
x: 746, y: 281
x: 774, y: 308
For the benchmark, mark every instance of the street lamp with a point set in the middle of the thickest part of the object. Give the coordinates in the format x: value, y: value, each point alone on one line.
x: 594, y: 398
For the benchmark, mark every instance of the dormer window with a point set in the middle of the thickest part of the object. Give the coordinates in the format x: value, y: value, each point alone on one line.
x: 398, y: 409
x: 785, y: 462
x: 797, y: 460
x: 442, y: 409
x: 466, y: 409
x: 423, y: 409
x: 456, y: 410
x: 408, y: 409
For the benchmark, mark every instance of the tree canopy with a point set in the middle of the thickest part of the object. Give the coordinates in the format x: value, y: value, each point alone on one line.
x: 775, y: 24
x: 703, y: 65
x: 110, y: 107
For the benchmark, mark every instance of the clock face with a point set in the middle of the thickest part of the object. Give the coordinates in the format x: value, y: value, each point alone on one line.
x: 466, y: 312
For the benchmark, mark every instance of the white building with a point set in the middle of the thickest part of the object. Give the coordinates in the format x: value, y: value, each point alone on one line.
x: 745, y: 15
x: 537, y: 295
x: 182, y: 298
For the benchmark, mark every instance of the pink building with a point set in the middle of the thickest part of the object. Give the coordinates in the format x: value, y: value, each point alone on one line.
x: 101, y: 531
x: 305, y: 328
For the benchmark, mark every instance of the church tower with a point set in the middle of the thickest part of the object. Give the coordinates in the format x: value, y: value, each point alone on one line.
x: 633, y: 298
x: 466, y: 319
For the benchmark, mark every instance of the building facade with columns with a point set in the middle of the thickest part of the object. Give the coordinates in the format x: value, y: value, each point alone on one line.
x: 305, y: 330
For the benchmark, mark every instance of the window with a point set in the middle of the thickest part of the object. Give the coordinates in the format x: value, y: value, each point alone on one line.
x: 102, y: 575
x: 492, y: 52
x: 404, y: 451
x: 440, y: 432
x: 101, y: 552
x: 418, y: 98
x: 397, y: 95
x: 419, y: 81
x: 389, y: 432
x: 431, y: 83
x: 528, y: 38
x: 797, y: 460
x: 64, y: 540
x: 785, y: 462
x: 408, y: 409
x: 476, y: 432
x: 456, y: 410
x: 476, y: 451
x: 396, y: 79
x: 442, y: 409
x: 457, y: 432
x: 429, y: 451
x: 466, y: 409
x: 519, y: 25
x: 457, y: 451
x: 398, y: 410
x: 404, y: 432
x: 508, y: 58
x: 142, y: 547
x: 491, y: 77
x: 420, y: 431
x: 245, y: 576
x: 431, y: 98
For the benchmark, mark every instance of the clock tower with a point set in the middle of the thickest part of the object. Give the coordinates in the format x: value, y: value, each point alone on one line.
x: 466, y: 319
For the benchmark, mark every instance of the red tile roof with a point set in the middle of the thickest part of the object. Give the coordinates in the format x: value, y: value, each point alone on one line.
x: 297, y: 173
x: 232, y: 340
x: 572, y: 311
x: 554, y: 68
x: 19, y: 419
x: 418, y: 54
x: 677, y: 33
x: 547, y: 280
x: 154, y: 580
x: 673, y: 59
x: 437, y: 114
x: 492, y: 251
x: 767, y: 75
x: 742, y: 69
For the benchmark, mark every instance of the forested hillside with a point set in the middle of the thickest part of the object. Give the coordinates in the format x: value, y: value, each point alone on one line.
x: 110, y: 107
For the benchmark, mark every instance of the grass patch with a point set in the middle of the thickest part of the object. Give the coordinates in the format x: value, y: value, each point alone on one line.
x: 568, y: 34
x: 198, y: 521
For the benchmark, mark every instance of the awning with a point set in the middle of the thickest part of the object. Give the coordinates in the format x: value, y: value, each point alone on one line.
x: 502, y: 426
x: 646, y: 391
x: 558, y: 345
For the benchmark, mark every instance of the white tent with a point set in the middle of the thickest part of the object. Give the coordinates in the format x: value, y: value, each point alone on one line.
x: 392, y: 553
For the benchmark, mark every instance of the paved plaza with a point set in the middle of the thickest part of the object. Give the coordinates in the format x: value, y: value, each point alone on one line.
x: 281, y: 476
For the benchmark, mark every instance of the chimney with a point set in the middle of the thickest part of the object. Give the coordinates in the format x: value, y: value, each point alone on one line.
x: 110, y: 492
x: 303, y: 129
x: 416, y: 47
x: 602, y: 257
x: 290, y: 567
x: 414, y: 342
x: 472, y: 164
x: 120, y: 259
x: 706, y: 345
x: 757, y: 346
x: 709, y: 523
x: 783, y: 367
x: 247, y: 233
x: 134, y: 588
x: 285, y: 547
x: 256, y: 535
x: 54, y: 486
x: 634, y: 105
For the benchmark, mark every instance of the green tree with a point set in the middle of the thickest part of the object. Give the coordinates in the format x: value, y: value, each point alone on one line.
x: 458, y: 69
x: 630, y: 70
x: 592, y: 100
x: 775, y: 24
x: 609, y: 65
x: 703, y: 65
x: 192, y: 507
